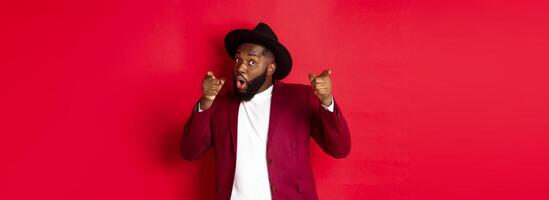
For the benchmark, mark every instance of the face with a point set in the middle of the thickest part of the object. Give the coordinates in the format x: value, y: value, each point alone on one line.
x: 253, y: 70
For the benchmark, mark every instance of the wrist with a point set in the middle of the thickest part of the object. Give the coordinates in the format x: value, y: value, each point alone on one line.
x: 205, y: 102
x: 327, y: 101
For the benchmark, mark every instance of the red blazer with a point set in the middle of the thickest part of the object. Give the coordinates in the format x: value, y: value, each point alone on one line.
x: 296, y: 115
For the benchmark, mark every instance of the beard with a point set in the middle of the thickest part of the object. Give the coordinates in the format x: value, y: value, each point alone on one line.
x: 252, y: 87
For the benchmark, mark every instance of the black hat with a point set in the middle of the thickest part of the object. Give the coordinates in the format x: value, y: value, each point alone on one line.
x: 262, y: 35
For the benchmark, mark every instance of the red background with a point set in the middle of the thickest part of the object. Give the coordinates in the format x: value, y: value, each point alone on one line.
x: 445, y: 100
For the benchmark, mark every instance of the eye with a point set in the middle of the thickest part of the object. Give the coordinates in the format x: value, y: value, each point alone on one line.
x: 238, y: 60
x: 251, y: 62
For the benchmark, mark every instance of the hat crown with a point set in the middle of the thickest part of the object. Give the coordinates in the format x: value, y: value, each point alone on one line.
x: 265, y: 30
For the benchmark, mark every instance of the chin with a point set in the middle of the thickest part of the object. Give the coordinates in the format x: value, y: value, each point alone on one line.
x: 240, y: 90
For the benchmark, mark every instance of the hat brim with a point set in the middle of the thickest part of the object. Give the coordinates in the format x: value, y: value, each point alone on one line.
x: 282, y: 56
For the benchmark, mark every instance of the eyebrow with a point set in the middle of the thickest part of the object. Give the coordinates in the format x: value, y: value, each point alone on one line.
x: 251, y: 53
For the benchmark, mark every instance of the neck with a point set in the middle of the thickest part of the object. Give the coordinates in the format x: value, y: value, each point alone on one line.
x: 266, y: 85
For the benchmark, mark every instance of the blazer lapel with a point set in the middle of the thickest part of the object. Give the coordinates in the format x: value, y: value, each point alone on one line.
x: 233, y: 121
x: 276, y: 103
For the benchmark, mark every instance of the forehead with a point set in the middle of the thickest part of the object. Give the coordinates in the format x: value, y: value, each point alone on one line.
x: 249, y: 48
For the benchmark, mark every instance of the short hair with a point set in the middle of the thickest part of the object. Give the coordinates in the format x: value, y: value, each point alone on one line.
x: 268, y: 53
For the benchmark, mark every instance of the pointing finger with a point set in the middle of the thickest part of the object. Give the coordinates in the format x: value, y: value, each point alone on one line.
x: 210, y: 75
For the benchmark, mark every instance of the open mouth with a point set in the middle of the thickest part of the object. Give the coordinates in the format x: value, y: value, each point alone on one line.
x: 241, y: 83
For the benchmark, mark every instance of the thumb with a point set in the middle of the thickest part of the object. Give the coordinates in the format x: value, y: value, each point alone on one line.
x: 222, y: 81
x: 326, y: 72
x: 312, y: 77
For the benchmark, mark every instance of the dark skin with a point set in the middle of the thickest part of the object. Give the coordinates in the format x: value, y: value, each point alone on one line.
x: 250, y: 61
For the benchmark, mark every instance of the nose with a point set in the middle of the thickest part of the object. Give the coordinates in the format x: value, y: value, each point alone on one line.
x: 241, y: 68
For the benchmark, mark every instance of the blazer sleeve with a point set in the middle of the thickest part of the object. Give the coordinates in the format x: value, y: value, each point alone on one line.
x: 329, y: 129
x: 197, y: 134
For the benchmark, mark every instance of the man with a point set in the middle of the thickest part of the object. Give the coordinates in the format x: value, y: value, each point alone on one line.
x: 260, y: 132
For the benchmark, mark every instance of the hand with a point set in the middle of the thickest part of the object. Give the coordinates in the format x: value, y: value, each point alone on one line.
x: 210, y: 88
x: 322, y: 86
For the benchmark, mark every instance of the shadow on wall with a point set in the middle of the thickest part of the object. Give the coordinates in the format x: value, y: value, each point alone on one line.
x: 167, y: 107
x: 195, y: 179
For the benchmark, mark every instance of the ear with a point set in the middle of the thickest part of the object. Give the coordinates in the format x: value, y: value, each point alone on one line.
x: 271, y: 69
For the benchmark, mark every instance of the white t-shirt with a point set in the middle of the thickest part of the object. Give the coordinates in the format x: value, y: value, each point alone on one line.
x: 251, y: 178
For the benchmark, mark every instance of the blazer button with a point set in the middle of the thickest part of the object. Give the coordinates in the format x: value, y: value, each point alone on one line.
x: 273, y: 188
